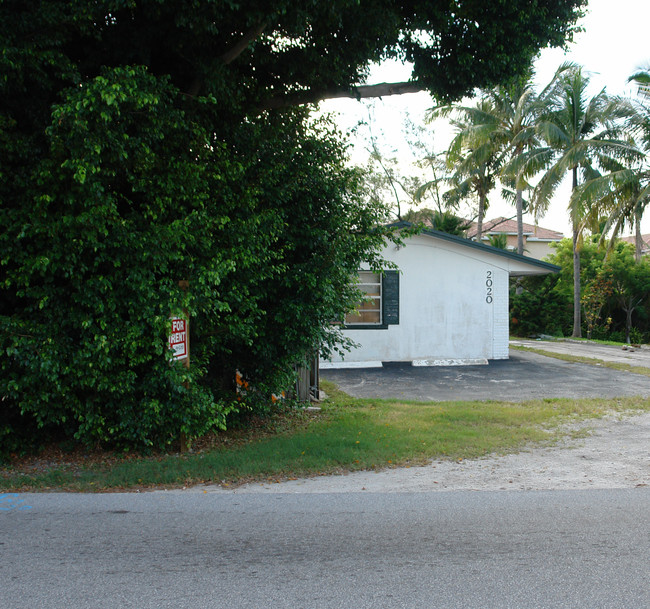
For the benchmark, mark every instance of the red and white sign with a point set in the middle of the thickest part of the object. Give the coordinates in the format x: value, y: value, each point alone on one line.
x: 179, y: 338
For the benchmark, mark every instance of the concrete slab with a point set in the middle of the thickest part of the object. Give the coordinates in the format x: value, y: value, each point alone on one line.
x: 524, y: 376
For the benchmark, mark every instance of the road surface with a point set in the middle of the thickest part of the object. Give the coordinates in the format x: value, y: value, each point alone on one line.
x: 449, y: 550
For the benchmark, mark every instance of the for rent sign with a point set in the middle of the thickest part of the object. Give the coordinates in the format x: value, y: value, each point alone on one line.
x: 179, y: 338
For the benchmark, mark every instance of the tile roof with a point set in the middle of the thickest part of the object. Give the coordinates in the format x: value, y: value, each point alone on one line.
x: 509, y: 226
x: 632, y: 239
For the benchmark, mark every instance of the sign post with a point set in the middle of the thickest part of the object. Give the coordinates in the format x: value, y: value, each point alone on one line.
x: 179, y: 343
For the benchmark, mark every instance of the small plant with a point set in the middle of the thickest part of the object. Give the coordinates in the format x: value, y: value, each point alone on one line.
x: 593, y: 300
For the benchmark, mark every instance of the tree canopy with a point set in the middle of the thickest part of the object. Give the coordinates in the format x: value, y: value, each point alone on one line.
x: 145, y: 142
x: 265, y: 53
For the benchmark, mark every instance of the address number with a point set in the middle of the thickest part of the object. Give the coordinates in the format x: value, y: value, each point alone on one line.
x: 488, y: 288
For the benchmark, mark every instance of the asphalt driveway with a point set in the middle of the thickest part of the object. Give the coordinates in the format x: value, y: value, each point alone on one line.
x: 524, y: 376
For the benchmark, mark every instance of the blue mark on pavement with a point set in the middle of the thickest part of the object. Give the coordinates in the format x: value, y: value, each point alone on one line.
x: 11, y: 501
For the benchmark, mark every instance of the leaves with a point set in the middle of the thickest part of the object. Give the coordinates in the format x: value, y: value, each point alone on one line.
x: 145, y: 159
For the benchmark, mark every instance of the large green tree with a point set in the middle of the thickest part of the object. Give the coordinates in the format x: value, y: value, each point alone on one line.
x: 624, y: 191
x: 630, y: 186
x: 146, y: 142
x: 615, y: 289
x: 512, y: 128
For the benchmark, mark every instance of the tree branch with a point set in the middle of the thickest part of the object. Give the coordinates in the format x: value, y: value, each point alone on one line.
x: 232, y: 54
x: 361, y: 92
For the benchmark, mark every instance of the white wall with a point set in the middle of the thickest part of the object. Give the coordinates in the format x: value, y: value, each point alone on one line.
x: 444, y: 308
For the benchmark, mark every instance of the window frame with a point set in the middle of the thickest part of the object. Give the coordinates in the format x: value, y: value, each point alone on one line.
x: 389, y: 295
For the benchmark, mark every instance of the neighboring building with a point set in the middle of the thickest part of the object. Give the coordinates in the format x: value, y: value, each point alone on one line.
x: 447, y: 303
x: 537, y: 240
x: 645, y: 248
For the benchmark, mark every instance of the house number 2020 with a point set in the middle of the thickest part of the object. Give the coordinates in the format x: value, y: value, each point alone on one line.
x: 488, y: 288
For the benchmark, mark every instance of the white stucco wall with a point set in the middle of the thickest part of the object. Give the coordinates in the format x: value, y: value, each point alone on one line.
x: 453, y: 306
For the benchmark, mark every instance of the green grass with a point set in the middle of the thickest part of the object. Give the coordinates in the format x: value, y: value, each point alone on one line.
x: 349, y: 434
x: 586, y: 360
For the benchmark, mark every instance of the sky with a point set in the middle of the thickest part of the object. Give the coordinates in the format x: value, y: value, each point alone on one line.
x: 613, y: 45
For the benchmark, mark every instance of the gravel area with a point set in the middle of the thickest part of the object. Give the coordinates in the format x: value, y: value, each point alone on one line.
x: 614, y: 454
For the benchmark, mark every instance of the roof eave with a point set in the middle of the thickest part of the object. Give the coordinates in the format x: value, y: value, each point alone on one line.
x: 488, y: 249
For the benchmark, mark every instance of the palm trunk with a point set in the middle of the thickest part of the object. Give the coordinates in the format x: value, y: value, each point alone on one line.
x: 577, y: 322
x: 638, y: 241
x: 628, y: 323
x: 479, y: 219
x: 519, y: 201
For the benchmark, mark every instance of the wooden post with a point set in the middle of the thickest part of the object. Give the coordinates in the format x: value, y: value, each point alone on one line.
x: 314, y: 377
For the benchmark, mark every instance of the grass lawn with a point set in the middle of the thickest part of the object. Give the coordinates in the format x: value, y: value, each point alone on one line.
x: 346, y: 434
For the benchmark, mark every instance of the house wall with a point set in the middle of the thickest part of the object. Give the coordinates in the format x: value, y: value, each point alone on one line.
x: 533, y: 247
x: 538, y: 249
x: 449, y: 312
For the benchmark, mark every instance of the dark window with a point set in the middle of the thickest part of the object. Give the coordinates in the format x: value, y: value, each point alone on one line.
x: 380, y: 307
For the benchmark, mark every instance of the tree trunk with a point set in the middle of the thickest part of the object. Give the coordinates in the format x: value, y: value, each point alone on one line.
x: 519, y: 200
x: 577, y: 330
x: 479, y: 219
x: 629, y: 306
x: 628, y: 323
x: 638, y: 241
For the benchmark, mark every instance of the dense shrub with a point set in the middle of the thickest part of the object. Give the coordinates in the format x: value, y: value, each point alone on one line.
x: 616, y: 295
x: 133, y: 198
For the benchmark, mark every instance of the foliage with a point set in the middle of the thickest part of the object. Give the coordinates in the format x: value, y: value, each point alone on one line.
x: 625, y: 190
x: 143, y: 145
x: 499, y: 240
x: 348, y: 434
x: 594, y: 297
x: 443, y: 221
x: 631, y: 292
x: 537, y: 307
x: 471, y: 155
x: 491, y: 137
x: 134, y: 197
x: 615, y: 295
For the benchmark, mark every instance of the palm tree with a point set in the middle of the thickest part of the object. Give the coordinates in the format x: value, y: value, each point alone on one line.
x: 625, y: 190
x: 639, y: 123
x: 500, y: 127
x: 515, y: 112
x: 475, y: 161
x: 581, y: 137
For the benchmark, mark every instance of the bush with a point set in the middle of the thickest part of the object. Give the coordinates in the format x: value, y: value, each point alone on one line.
x: 615, y: 292
x: 132, y: 197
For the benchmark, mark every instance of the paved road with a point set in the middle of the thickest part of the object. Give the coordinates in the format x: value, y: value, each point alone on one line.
x: 453, y: 550
x: 609, y: 353
x: 524, y: 376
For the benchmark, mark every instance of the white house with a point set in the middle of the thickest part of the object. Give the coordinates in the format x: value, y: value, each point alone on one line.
x: 447, y: 303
